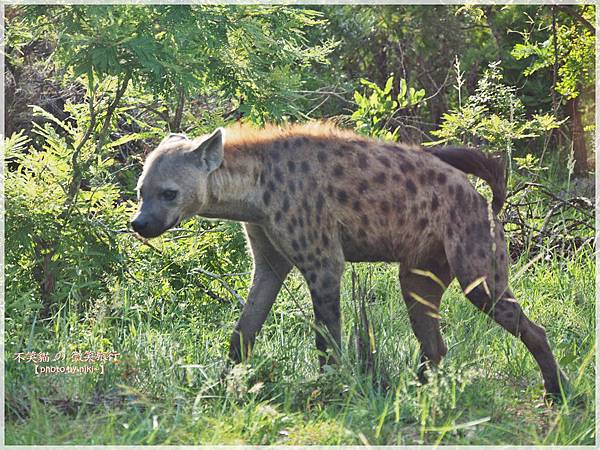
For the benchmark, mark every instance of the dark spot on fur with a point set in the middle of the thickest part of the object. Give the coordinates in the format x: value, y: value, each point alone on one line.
x: 385, y: 206
x: 301, y: 140
x: 356, y: 205
x: 320, y: 202
x: 342, y: 196
x: 422, y: 178
x: 286, y: 204
x: 305, y: 166
x: 330, y: 189
x: 441, y: 177
x: 410, y: 185
x: 294, y: 221
x: 271, y: 186
x: 423, y: 222
x: 301, y: 222
x: 278, y: 216
x: 380, y: 178
x: 435, y: 203
x: 278, y: 175
x: 414, y: 210
x: 327, y: 281
x: 295, y: 245
x: 322, y: 156
x: 362, y: 234
x: 338, y: 171
x: 384, y: 160
x: 266, y: 197
x: 363, y: 185
x: 451, y: 189
x: 450, y: 233
x: 313, y: 277
x: 286, y: 144
x: 290, y: 228
x: 275, y: 154
x: 363, y: 161
x: 303, y: 242
x: 292, y: 186
x: 305, y: 205
x: 364, y: 219
x: 460, y: 194
x: 325, y: 240
x: 481, y: 253
x: 291, y: 166
x: 453, y: 215
x: 407, y: 166
x: 396, y: 177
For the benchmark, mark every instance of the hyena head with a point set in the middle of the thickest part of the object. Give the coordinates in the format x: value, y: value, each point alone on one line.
x: 174, y: 183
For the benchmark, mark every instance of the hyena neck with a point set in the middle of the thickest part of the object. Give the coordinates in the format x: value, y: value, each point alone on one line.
x: 233, y: 190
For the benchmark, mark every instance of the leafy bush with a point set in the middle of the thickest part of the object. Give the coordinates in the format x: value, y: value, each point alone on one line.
x: 493, y: 116
x: 376, y: 107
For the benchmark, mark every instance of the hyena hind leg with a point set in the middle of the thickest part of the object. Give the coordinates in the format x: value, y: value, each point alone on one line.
x: 482, y: 271
x: 422, y: 290
x: 509, y: 315
x: 324, y: 285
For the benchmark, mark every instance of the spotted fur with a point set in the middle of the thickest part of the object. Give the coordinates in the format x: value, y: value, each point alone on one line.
x: 314, y: 196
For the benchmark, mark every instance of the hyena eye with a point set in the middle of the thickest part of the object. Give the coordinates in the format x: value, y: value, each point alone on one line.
x: 169, y: 194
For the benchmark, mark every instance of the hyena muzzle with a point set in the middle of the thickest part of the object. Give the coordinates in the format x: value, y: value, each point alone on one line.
x: 314, y: 196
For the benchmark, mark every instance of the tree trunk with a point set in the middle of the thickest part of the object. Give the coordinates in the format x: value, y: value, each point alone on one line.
x: 175, y: 123
x: 577, y: 137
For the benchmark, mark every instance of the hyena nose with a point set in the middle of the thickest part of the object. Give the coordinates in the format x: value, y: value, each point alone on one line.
x: 139, y: 225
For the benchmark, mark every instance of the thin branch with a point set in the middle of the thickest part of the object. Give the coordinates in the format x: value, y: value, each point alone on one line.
x: 578, y: 17
x: 110, y: 111
x: 220, y: 279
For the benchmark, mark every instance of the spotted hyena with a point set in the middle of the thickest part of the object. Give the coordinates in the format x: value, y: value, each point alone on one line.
x: 315, y: 196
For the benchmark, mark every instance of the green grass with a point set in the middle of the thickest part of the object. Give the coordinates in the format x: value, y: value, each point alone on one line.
x: 166, y: 388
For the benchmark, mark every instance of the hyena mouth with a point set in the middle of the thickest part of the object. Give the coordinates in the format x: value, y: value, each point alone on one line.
x: 174, y: 223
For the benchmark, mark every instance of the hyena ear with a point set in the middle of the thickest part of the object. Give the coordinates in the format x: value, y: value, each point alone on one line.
x: 174, y: 137
x: 209, y: 154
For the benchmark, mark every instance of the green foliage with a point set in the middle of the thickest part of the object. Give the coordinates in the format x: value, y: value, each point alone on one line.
x: 494, y: 115
x: 575, y: 54
x: 254, y: 56
x: 48, y: 232
x: 377, y: 106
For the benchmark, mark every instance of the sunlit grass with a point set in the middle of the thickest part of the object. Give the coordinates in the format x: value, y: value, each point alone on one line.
x: 167, y: 387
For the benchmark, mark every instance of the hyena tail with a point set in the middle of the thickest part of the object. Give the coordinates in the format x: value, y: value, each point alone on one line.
x: 491, y: 168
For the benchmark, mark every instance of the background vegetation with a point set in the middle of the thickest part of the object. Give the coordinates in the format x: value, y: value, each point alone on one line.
x: 92, y: 89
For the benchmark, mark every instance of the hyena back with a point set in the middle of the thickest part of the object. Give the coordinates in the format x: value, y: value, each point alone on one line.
x: 314, y: 196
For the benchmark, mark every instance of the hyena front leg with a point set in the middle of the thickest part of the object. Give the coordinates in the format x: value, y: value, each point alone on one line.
x: 270, y: 270
x: 323, y: 274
